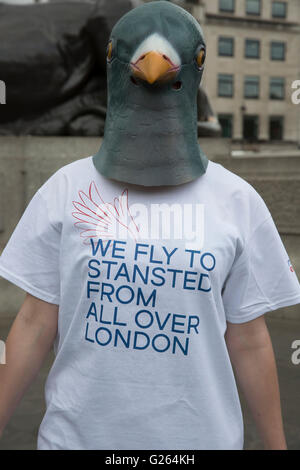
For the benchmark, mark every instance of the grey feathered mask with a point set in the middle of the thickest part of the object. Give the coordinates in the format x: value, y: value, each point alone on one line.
x: 155, y: 58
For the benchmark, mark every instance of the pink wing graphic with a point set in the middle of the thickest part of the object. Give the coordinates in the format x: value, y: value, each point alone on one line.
x: 99, y: 219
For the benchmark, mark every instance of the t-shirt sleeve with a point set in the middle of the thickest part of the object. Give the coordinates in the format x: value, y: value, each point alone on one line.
x: 31, y: 257
x: 262, y: 278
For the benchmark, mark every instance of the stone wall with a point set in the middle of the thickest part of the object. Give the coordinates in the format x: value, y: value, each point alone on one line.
x: 26, y: 162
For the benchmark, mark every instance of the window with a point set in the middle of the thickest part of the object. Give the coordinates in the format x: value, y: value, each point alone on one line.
x: 253, y: 7
x: 226, y: 122
x: 279, y: 9
x: 251, y: 90
x: 276, y: 127
x: 277, y: 51
x: 277, y: 87
x: 252, y: 49
x: 226, y: 46
x: 225, y: 85
x: 250, y: 128
x: 227, y: 5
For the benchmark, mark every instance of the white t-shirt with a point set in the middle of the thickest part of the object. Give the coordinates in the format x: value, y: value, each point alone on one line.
x: 141, y: 361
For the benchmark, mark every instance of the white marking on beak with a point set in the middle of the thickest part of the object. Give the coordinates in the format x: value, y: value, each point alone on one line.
x: 156, y: 42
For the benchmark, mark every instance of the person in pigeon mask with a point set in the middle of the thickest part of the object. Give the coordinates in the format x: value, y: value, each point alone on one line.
x: 150, y: 269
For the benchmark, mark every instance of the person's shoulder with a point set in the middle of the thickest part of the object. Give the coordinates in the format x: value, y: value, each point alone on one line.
x: 66, y: 175
x: 226, y: 177
x: 235, y: 191
x: 230, y: 183
x: 56, y: 190
x: 82, y: 164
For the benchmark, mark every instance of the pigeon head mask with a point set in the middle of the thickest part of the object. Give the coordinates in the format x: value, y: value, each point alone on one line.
x: 155, y: 59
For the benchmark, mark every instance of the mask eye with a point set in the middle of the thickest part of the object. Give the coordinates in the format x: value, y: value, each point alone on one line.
x: 201, y: 57
x: 109, y: 50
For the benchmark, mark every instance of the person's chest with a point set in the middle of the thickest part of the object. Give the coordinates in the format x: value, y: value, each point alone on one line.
x: 177, y: 239
x: 149, y: 262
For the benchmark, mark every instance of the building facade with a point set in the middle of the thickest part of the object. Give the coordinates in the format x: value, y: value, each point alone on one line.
x: 253, y: 58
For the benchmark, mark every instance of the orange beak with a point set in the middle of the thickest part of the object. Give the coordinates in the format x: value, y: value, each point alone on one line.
x: 153, y: 67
